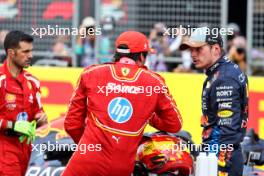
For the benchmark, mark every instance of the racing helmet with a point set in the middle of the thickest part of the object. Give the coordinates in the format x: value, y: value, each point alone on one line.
x: 161, y: 153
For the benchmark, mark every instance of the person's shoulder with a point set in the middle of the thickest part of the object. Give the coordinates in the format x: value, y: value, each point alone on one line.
x: 1, y: 70
x: 95, y: 68
x: 32, y: 78
x: 231, y: 71
x: 154, y: 75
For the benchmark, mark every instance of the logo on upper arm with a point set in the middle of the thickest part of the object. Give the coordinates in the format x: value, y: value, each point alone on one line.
x: 241, y: 77
x: 120, y: 110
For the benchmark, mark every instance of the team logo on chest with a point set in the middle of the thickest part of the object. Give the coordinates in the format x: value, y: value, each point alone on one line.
x: 10, y: 98
x: 10, y: 101
x: 125, y: 71
x: 120, y: 110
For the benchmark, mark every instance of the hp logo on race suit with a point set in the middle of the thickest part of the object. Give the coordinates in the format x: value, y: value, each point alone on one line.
x: 120, y: 110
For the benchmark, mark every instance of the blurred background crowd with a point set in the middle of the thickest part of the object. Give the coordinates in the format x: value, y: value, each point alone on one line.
x: 245, y: 46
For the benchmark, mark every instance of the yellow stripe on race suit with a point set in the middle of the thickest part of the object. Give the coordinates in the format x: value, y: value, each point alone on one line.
x: 123, y: 78
x: 117, y: 131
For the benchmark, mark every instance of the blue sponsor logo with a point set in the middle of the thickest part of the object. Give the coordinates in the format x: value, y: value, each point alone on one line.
x: 22, y: 116
x: 120, y: 110
x: 241, y: 77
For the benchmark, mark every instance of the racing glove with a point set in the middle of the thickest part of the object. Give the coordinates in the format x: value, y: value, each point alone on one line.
x: 27, y: 129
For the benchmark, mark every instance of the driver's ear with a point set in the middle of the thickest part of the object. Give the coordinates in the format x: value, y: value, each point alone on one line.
x: 141, y: 57
x: 11, y: 52
x: 214, y: 49
x: 217, y: 48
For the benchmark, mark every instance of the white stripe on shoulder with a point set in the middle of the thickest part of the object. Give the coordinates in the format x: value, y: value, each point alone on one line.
x: 31, y: 78
x: 2, y: 77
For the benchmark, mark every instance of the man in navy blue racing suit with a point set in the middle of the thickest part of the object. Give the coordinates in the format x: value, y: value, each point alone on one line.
x: 224, y: 100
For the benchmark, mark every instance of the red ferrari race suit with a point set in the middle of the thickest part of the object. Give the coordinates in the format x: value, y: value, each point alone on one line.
x: 108, y: 112
x: 17, y: 96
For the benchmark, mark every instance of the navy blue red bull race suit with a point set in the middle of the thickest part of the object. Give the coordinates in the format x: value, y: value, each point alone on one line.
x: 225, y: 114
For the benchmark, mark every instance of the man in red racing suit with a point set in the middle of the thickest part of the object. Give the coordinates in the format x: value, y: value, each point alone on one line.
x: 19, y: 101
x: 110, y: 108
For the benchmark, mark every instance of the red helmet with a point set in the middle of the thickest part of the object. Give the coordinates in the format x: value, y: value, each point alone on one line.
x: 161, y: 153
x: 136, y: 42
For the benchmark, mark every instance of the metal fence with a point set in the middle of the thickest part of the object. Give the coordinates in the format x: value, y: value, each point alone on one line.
x: 28, y: 15
x: 141, y: 15
x: 255, y: 36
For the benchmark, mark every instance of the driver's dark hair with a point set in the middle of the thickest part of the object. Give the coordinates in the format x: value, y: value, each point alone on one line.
x: 134, y: 56
x: 13, y: 38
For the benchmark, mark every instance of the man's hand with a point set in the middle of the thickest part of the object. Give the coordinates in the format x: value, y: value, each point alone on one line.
x: 23, y: 127
x: 30, y: 138
x: 26, y: 129
x: 41, y: 119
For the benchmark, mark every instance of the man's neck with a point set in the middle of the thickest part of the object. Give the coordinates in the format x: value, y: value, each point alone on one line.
x: 13, y: 69
x: 128, y: 60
